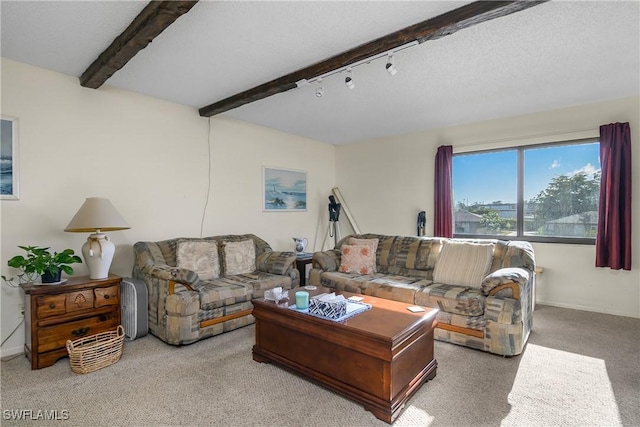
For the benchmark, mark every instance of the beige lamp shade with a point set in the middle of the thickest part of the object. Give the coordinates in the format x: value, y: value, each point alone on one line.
x: 96, y: 216
x: 97, y: 213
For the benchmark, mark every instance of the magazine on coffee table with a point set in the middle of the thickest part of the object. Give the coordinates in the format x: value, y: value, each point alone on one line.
x: 353, y: 308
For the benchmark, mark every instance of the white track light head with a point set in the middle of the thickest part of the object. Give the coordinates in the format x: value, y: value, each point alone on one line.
x: 348, y: 81
x: 319, y: 89
x: 391, y: 69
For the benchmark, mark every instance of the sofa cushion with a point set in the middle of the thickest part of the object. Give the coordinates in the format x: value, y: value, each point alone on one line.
x: 416, y: 253
x: 220, y: 292
x: 359, y: 259
x: 200, y: 256
x: 463, y: 263
x: 452, y: 299
x: 344, y: 281
x: 397, y: 288
x: 239, y: 257
x: 258, y: 282
x: 386, y: 251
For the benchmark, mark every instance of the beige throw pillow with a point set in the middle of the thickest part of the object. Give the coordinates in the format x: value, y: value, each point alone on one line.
x: 372, y: 242
x: 200, y: 256
x: 239, y: 257
x: 360, y: 259
x: 463, y: 263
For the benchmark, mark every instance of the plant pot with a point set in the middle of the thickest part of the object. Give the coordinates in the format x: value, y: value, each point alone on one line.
x: 47, y: 277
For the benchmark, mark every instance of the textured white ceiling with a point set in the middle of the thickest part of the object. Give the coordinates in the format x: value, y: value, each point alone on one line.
x: 554, y: 55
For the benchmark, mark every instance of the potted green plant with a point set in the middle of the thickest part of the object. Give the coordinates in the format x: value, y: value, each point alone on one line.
x: 41, y: 262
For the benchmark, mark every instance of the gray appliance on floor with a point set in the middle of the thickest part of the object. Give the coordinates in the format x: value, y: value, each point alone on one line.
x: 133, y: 304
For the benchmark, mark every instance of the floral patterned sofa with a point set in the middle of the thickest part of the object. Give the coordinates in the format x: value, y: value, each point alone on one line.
x: 483, y: 288
x: 203, y: 287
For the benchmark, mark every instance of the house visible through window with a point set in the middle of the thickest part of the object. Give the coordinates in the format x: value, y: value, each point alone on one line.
x: 545, y: 193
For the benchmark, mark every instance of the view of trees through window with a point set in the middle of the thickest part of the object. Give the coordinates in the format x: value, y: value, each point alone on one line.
x: 546, y: 193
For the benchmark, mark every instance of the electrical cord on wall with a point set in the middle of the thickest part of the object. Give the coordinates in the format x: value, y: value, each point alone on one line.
x: 206, y: 203
x: 10, y: 335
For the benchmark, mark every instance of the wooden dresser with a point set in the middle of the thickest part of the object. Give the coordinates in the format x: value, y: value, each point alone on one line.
x: 57, y: 313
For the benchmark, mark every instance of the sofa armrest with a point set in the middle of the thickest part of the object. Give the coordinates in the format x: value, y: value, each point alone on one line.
x: 173, y: 274
x: 276, y: 262
x: 173, y: 299
x: 280, y: 263
x: 505, y: 283
x: 327, y: 260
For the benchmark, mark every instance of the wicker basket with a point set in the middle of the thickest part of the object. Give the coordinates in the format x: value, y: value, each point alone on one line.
x: 97, y: 351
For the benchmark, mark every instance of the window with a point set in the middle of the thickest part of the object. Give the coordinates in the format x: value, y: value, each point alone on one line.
x: 543, y: 193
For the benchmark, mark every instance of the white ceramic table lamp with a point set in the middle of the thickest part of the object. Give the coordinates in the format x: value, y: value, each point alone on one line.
x: 96, y: 216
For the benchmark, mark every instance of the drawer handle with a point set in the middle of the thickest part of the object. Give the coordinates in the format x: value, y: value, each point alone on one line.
x: 106, y: 297
x: 52, y: 306
x: 80, y: 332
x: 103, y: 318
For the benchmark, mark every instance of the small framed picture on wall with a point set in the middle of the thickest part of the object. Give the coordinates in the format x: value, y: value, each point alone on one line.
x: 283, y: 190
x: 9, y: 158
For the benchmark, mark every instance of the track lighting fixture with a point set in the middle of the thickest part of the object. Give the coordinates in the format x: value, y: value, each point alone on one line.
x: 348, y: 81
x: 319, y: 89
x: 391, y: 69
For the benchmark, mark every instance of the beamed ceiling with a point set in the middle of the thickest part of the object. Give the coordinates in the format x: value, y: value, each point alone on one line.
x: 466, y: 62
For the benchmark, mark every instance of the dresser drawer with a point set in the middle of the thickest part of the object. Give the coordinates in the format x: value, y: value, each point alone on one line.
x: 107, y: 296
x: 54, y: 337
x: 50, y: 305
x: 79, y: 300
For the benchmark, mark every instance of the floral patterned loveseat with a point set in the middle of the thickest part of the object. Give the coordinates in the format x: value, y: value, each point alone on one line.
x: 483, y: 288
x: 203, y: 287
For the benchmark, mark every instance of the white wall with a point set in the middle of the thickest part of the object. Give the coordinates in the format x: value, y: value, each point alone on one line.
x: 151, y: 159
x: 387, y: 182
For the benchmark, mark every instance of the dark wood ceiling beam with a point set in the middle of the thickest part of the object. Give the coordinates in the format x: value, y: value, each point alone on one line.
x: 153, y: 20
x: 431, y: 29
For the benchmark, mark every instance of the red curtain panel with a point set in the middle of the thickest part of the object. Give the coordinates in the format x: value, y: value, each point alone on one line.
x: 443, y: 205
x: 613, y: 241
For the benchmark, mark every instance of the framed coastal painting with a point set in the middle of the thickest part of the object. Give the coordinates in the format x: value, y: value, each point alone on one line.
x: 283, y: 190
x: 9, y: 158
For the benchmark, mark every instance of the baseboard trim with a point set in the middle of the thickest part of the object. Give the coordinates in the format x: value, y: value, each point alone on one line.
x: 587, y: 308
x: 9, y: 352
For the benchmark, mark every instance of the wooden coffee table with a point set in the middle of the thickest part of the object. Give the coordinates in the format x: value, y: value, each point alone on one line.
x: 378, y: 358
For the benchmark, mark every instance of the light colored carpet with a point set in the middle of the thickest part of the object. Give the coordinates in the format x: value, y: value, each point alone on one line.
x: 561, y: 388
x: 579, y: 369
